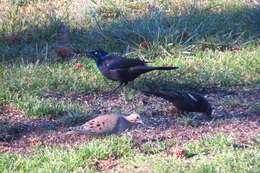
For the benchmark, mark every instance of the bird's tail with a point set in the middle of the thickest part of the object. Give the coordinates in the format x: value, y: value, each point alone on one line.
x: 145, y: 69
x: 81, y: 130
x: 164, y: 68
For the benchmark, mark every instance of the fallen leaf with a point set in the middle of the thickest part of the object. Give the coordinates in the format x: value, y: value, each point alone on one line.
x: 181, y: 153
x: 35, y: 141
x: 78, y: 66
x: 145, y: 44
x: 104, y: 164
x: 235, y: 50
x: 63, y: 52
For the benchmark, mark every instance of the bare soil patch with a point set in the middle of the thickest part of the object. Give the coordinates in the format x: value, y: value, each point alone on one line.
x: 19, y: 133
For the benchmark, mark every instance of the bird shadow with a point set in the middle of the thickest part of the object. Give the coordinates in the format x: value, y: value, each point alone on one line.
x: 19, y: 127
x: 146, y: 84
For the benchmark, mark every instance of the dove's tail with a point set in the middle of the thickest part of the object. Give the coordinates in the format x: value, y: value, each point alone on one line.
x: 82, y: 130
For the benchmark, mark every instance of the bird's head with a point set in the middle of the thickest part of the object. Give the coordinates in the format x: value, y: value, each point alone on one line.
x: 135, y: 118
x: 96, y: 54
x: 204, y: 105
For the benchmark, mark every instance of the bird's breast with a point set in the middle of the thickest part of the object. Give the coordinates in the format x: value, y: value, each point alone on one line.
x: 100, y: 67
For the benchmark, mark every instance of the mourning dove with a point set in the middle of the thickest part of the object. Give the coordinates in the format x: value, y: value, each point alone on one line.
x: 108, y: 124
x: 184, y: 101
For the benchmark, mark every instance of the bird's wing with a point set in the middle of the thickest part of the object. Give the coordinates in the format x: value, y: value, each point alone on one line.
x: 183, y: 95
x: 120, y: 62
x: 102, y: 124
x: 176, y: 95
x: 192, y: 97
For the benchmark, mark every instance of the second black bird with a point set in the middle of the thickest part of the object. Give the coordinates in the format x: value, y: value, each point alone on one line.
x: 184, y: 101
x: 121, y: 69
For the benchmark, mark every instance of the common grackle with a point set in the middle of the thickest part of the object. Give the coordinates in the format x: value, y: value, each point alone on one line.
x: 184, y: 101
x: 121, y: 69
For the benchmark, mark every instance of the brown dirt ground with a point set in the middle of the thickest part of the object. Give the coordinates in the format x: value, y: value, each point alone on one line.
x: 19, y: 133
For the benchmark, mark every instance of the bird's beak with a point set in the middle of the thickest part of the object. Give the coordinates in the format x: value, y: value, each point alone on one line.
x: 88, y: 54
x: 140, y: 122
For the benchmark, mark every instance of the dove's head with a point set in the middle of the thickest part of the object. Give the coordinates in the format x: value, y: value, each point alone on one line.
x: 135, y: 118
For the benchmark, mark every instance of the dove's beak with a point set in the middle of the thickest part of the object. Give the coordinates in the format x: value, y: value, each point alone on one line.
x: 140, y: 122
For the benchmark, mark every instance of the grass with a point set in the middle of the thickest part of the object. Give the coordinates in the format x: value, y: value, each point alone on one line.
x: 34, y: 83
x: 210, y: 154
x: 255, y: 108
x: 66, y: 159
x: 38, y: 80
x: 215, y: 43
x: 233, y: 103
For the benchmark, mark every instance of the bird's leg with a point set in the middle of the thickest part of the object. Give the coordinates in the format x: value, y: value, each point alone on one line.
x: 119, y: 86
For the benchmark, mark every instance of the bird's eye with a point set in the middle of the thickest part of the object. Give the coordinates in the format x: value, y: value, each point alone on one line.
x: 95, y: 53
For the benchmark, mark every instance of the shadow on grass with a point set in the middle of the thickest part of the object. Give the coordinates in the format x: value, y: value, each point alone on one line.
x: 11, y: 130
x: 205, y: 27
x: 14, y: 131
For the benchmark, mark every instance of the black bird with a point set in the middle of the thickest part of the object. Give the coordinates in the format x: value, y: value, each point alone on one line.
x: 184, y: 101
x: 121, y: 69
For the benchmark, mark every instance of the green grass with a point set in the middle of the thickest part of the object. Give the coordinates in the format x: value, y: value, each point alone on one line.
x: 221, y: 50
x: 58, y: 159
x: 255, y: 108
x: 210, y: 154
x: 29, y: 31
x: 29, y: 86
x: 233, y: 103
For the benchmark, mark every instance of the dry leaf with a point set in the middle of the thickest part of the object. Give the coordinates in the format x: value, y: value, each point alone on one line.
x: 78, y: 66
x: 63, y: 52
x: 104, y: 164
x: 35, y: 141
x: 145, y: 44
x: 235, y: 50
x: 181, y: 153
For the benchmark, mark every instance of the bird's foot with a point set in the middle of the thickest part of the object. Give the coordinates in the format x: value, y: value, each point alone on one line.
x: 116, y: 88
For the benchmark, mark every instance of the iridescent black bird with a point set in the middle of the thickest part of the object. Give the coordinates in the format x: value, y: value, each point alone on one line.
x: 184, y: 101
x: 121, y: 69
